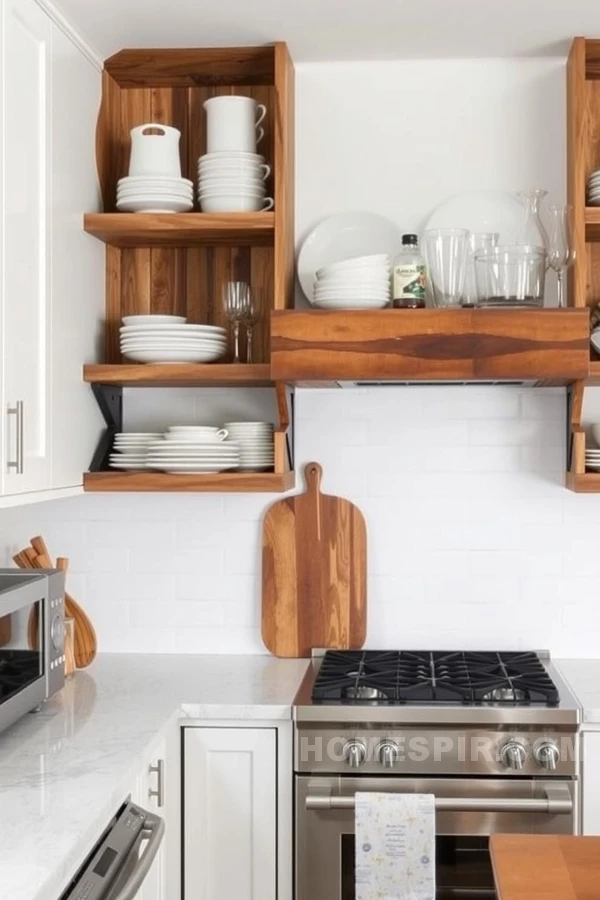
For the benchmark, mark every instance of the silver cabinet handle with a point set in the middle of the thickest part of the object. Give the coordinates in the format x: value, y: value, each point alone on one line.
x: 551, y: 804
x: 159, y: 793
x: 154, y: 830
x: 17, y: 464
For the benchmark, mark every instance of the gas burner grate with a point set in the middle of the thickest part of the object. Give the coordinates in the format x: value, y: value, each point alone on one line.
x: 422, y: 677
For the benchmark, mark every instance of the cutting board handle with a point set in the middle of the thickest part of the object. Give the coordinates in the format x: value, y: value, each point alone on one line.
x: 312, y: 475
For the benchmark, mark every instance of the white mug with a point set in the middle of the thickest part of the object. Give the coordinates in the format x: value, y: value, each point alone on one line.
x: 233, y: 124
x: 155, y: 153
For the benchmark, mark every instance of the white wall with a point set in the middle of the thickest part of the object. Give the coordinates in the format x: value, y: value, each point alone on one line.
x: 473, y: 540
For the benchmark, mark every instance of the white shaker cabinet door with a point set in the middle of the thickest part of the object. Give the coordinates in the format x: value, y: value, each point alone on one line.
x: 77, y: 262
x: 27, y: 49
x: 591, y: 782
x: 230, y: 822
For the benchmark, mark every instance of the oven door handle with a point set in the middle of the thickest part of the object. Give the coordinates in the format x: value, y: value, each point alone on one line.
x: 557, y: 801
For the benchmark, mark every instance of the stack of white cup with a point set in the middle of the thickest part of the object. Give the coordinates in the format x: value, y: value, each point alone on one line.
x: 154, y: 183
x: 231, y: 175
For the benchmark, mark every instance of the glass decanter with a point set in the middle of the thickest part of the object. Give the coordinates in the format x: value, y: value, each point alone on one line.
x: 533, y: 233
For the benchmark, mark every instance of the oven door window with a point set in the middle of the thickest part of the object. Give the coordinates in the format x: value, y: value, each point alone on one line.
x: 463, y: 868
x: 21, y: 649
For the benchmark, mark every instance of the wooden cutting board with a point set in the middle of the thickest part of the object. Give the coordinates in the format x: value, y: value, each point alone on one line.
x: 314, y: 572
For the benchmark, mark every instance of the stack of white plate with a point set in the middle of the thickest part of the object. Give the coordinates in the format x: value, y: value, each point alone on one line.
x: 255, y: 440
x: 593, y: 189
x: 155, y: 194
x: 159, y: 339
x: 193, y: 450
x: 592, y: 459
x: 362, y: 282
x: 232, y: 182
x: 130, y: 449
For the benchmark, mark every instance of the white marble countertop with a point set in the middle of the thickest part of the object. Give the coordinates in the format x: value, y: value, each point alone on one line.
x: 64, y: 771
x: 583, y: 677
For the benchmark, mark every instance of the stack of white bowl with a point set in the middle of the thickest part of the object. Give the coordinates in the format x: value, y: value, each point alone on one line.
x: 154, y: 183
x: 233, y: 181
x: 255, y: 440
x: 593, y: 189
x: 130, y: 449
x: 170, y: 339
x: 193, y: 450
x: 362, y: 282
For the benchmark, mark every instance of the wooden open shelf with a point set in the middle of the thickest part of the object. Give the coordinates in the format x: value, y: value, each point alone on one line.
x: 541, y: 345
x: 226, y: 482
x: 180, y: 375
x: 182, y: 229
x: 592, y: 224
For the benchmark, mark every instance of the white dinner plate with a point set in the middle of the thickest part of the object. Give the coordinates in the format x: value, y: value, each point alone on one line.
x: 365, y: 265
x: 350, y: 294
x: 341, y: 237
x: 185, y: 344
x: 477, y: 211
x: 154, y: 320
x: 191, y: 468
x: 175, y: 328
x: 172, y: 356
x: 155, y: 205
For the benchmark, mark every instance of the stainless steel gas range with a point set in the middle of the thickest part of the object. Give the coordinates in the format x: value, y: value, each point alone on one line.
x: 492, y: 735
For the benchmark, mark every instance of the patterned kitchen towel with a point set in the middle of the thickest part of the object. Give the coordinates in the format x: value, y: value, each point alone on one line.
x: 395, y: 846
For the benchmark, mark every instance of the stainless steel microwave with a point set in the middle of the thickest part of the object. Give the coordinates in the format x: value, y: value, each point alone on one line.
x: 32, y: 629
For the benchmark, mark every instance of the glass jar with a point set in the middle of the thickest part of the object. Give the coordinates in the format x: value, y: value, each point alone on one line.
x: 512, y: 275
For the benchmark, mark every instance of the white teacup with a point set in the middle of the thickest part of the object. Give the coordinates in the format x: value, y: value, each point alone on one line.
x: 196, y: 433
x: 233, y: 123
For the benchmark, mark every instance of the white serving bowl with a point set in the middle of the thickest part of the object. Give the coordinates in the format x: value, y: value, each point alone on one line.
x: 379, y: 281
x: 356, y: 262
x: 153, y: 320
x: 353, y: 294
x: 350, y: 304
x: 224, y: 190
x: 231, y: 184
x: 158, y: 179
x: 155, y: 205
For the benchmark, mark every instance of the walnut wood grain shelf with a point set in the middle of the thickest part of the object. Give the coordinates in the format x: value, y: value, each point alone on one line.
x: 180, y: 375
x: 222, y: 482
x: 592, y: 224
x: 181, y: 229
x: 540, y: 345
x: 584, y: 483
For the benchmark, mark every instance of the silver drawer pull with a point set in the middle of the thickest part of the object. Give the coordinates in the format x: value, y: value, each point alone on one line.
x: 554, y: 803
x: 17, y: 464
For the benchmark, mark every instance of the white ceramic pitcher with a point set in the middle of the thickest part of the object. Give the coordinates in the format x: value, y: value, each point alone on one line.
x: 155, y: 151
x: 233, y: 124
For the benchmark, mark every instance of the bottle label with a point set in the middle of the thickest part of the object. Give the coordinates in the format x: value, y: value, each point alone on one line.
x: 409, y: 282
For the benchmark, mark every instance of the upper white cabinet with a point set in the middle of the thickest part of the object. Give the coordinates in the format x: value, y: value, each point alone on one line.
x: 230, y: 813
x: 52, y: 284
x: 27, y: 245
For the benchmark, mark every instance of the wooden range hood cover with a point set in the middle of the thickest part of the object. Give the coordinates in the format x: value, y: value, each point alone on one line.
x: 310, y: 346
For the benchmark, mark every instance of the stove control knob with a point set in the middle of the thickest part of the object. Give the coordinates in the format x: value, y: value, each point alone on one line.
x: 513, y: 754
x: 355, y: 753
x: 387, y: 754
x: 547, y: 754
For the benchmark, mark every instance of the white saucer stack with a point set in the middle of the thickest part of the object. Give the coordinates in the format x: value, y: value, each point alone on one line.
x: 255, y: 440
x: 130, y: 449
x: 193, y: 450
x: 170, y: 339
x: 362, y: 282
x: 593, y: 189
x: 155, y: 194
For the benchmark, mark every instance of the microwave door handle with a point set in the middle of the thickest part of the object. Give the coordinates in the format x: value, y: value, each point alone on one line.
x: 154, y: 829
x: 557, y: 801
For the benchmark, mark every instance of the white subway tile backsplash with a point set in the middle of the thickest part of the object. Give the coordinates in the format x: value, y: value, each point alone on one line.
x: 473, y: 540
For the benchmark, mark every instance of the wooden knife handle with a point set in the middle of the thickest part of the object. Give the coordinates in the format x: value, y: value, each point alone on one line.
x: 312, y: 474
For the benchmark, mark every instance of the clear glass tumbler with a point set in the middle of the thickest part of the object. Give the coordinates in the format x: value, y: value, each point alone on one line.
x: 447, y: 257
x: 478, y: 240
x: 511, y: 275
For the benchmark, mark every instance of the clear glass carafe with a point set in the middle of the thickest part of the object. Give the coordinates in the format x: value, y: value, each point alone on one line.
x: 533, y: 233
